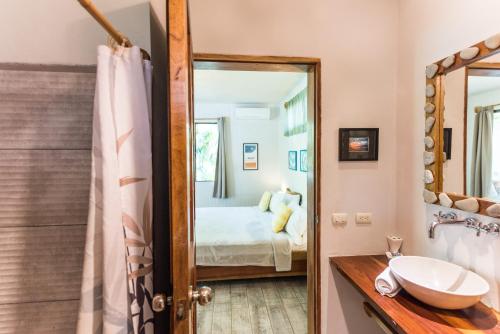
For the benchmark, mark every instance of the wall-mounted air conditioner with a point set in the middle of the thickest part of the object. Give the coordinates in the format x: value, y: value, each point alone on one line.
x: 253, y: 113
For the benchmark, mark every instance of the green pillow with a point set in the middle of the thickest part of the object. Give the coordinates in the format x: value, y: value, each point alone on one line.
x: 264, y: 201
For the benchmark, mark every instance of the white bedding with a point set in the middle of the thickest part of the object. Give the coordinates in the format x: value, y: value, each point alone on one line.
x: 240, y: 236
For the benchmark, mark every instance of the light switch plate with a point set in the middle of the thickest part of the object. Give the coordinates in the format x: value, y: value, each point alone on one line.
x: 339, y: 218
x: 363, y: 218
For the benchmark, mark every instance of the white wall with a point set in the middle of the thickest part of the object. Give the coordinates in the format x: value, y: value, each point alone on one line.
x: 62, y: 32
x: 296, y: 180
x: 357, y: 43
x: 245, y: 187
x: 431, y: 30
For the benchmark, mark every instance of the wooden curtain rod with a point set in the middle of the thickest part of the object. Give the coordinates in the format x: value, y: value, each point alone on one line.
x: 479, y: 109
x: 106, y: 24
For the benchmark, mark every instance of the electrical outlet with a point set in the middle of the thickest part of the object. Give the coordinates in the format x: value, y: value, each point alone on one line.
x: 363, y: 218
x: 339, y: 218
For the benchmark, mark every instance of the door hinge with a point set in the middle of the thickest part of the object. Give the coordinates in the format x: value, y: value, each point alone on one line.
x: 316, y: 220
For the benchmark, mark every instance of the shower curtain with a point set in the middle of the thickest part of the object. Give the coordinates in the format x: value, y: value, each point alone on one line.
x: 117, y: 283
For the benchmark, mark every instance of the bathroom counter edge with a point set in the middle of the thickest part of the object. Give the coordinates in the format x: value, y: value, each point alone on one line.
x: 405, y: 314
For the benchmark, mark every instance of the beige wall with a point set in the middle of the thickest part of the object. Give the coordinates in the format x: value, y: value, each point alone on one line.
x: 453, y: 169
x: 431, y: 30
x: 62, y: 32
x: 357, y: 43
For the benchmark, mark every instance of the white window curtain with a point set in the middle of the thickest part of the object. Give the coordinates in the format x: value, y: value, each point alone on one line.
x: 220, y: 184
x: 117, y: 283
x: 496, y: 156
x: 296, y: 114
x: 482, y: 151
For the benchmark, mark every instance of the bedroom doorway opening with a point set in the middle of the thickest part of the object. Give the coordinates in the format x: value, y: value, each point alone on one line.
x: 255, y: 172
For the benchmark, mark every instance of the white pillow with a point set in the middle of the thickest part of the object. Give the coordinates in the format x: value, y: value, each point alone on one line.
x: 297, y: 225
x: 277, y: 199
x: 291, y: 199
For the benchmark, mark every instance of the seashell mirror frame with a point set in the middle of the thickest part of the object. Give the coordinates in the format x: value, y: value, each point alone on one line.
x: 434, y: 132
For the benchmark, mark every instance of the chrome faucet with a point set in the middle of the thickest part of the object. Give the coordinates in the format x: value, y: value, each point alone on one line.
x: 451, y: 218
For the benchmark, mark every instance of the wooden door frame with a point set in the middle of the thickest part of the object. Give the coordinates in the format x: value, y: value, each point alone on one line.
x: 311, y: 66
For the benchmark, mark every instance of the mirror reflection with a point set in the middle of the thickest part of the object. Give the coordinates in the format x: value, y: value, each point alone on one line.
x: 472, y: 130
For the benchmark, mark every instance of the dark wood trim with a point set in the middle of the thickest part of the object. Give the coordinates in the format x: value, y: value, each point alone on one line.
x: 313, y: 67
x: 484, y: 52
x: 403, y: 313
x: 207, y: 61
x: 216, y: 273
x: 236, y: 58
x: 484, y: 65
x: 180, y: 173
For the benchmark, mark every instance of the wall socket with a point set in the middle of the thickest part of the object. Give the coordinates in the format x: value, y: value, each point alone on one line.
x: 339, y: 218
x: 363, y: 218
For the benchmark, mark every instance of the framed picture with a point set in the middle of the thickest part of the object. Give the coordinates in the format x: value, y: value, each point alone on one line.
x: 303, y: 160
x: 250, y: 156
x: 358, y: 144
x: 292, y: 160
x: 447, y: 142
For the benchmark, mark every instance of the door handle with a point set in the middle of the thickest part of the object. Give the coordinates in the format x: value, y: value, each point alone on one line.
x: 202, y: 295
x: 160, y: 302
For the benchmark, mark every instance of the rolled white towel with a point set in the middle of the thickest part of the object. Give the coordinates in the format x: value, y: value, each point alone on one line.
x: 386, y: 284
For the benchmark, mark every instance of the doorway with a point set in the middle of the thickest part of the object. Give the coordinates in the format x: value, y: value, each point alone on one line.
x: 256, y: 155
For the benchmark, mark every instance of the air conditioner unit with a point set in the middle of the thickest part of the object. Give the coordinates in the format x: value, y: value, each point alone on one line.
x: 253, y: 113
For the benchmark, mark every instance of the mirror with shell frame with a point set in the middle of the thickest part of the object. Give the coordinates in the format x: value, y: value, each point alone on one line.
x: 462, y: 125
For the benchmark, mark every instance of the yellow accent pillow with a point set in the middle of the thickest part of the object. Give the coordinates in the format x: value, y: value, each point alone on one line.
x: 264, y: 201
x: 281, y: 218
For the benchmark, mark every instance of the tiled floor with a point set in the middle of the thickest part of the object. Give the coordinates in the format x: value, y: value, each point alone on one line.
x: 277, y: 306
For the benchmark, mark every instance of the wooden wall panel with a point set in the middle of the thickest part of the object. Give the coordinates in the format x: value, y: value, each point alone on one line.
x: 39, y: 318
x: 44, y: 187
x: 45, y: 161
x: 46, y: 110
x: 40, y: 264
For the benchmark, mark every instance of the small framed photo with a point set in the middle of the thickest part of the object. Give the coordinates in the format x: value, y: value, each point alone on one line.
x: 250, y: 156
x: 303, y: 160
x: 358, y: 144
x: 447, y: 142
x: 292, y: 160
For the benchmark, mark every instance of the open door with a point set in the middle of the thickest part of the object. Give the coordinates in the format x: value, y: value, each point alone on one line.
x: 185, y: 296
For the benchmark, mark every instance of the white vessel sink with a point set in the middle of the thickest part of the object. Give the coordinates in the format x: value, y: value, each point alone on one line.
x: 438, y: 283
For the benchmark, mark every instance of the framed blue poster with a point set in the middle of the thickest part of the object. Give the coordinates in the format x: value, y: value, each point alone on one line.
x: 292, y: 160
x: 303, y: 160
x: 250, y: 156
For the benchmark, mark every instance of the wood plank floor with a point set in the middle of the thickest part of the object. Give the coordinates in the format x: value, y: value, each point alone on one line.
x: 275, y: 306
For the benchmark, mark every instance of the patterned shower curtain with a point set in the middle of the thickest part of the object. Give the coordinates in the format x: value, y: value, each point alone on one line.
x: 117, y: 283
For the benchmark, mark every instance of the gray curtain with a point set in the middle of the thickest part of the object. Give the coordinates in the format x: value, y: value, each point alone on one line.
x: 220, y: 185
x: 482, y: 151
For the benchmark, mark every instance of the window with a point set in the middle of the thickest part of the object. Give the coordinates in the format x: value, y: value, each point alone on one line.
x: 207, y: 138
x: 296, y: 114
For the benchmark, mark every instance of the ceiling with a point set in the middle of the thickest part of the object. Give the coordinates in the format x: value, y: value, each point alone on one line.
x: 478, y: 84
x: 244, y: 87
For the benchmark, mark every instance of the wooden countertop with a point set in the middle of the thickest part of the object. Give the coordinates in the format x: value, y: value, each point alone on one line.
x: 405, y: 314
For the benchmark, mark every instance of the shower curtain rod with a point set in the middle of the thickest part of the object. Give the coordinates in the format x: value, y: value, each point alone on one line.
x: 106, y: 24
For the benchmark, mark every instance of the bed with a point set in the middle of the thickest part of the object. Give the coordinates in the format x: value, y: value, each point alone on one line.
x: 238, y: 242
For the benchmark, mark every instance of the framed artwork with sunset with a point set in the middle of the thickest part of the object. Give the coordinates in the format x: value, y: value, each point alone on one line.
x: 358, y: 144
